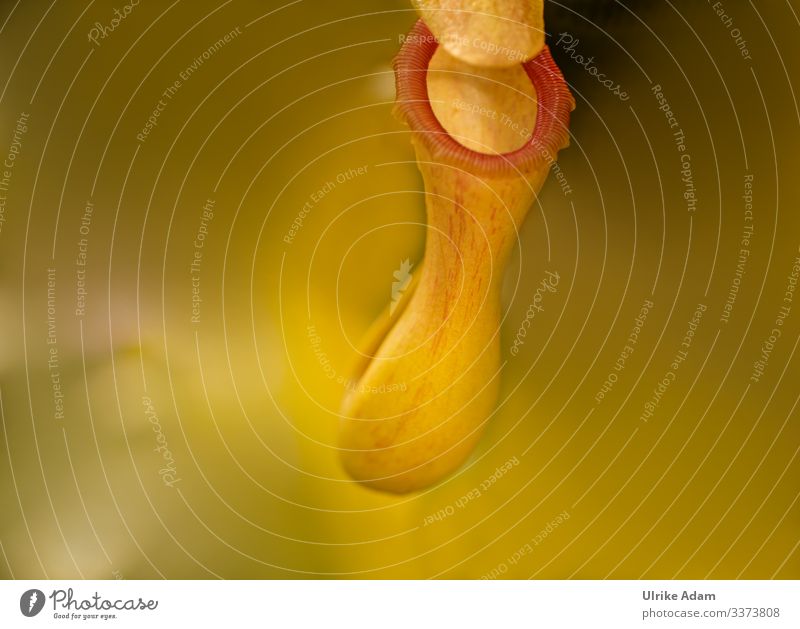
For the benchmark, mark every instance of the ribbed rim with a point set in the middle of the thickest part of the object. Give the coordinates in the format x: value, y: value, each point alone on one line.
x: 550, y: 132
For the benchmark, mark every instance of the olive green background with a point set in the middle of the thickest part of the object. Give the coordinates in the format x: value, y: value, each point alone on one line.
x: 246, y: 403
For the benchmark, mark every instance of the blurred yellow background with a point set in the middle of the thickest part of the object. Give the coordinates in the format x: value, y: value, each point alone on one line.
x: 203, y: 215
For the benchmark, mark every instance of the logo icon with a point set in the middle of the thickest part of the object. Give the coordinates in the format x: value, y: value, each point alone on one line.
x: 31, y: 603
x: 403, y: 277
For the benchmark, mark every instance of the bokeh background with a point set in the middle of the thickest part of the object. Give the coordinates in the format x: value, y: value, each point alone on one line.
x: 147, y: 434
